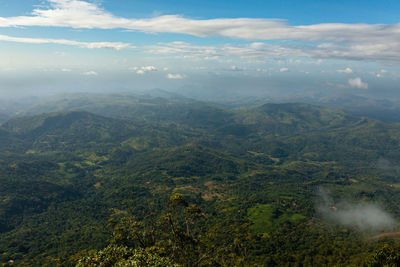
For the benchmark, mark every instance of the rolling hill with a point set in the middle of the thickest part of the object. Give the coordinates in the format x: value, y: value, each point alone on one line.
x: 75, y: 177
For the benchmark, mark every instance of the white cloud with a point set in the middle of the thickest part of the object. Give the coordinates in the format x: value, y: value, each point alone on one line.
x: 346, y: 70
x: 283, y: 69
x: 358, y: 83
x: 81, y: 14
x: 175, y: 76
x: 66, y: 70
x: 90, y: 73
x: 149, y: 68
x: 143, y: 70
x: 334, y: 40
x: 108, y: 45
x: 258, y: 50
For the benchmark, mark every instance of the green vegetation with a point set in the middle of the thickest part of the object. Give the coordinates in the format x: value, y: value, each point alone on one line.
x: 265, y: 218
x: 136, y: 181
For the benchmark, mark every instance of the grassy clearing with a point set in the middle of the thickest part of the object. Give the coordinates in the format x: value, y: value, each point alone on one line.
x: 266, y: 218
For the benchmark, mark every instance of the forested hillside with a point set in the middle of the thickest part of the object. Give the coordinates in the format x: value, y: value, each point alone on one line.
x: 175, y: 182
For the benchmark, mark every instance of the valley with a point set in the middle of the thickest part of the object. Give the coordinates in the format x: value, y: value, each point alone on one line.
x: 241, y: 185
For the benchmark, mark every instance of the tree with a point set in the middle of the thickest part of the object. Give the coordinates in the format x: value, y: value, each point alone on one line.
x: 114, y: 255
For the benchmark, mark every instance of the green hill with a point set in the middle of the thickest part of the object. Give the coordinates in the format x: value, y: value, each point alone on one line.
x: 74, y: 130
x: 190, y: 182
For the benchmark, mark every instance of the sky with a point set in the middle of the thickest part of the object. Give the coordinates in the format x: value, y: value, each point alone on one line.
x: 238, y: 47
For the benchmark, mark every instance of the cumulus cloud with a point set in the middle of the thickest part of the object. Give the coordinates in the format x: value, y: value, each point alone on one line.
x: 362, y: 216
x: 149, y: 68
x: 346, y: 70
x: 174, y: 76
x: 143, y: 70
x: 283, y: 69
x: 357, y: 83
x: 90, y: 73
x: 107, y: 45
x: 334, y: 40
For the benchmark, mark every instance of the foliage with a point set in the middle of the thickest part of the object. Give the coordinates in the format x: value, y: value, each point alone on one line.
x: 190, y: 183
x: 386, y: 256
x: 114, y: 255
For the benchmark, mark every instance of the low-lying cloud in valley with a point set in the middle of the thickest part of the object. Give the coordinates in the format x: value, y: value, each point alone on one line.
x: 362, y: 216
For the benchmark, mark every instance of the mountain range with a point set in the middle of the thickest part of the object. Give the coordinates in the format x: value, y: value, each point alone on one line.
x: 72, y: 165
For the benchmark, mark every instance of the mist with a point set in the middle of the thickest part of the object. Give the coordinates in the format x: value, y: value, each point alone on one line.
x: 369, y: 217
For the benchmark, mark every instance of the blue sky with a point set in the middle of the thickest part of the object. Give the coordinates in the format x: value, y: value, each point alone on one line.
x: 81, y: 45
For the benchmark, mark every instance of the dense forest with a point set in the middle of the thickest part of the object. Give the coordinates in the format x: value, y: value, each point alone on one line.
x: 128, y: 180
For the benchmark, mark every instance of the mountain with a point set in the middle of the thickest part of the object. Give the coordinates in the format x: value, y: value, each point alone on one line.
x: 68, y: 131
x: 138, y: 108
x: 9, y: 141
x: 194, y: 182
x: 382, y: 109
x: 296, y: 118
